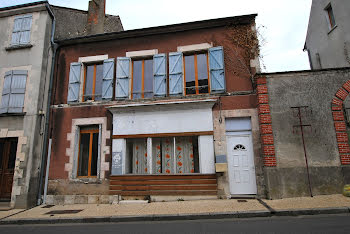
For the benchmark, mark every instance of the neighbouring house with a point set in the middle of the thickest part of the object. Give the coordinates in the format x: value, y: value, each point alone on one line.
x: 157, y: 113
x: 25, y: 62
x: 328, y: 35
x: 305, y: 121
x: 26, y: 54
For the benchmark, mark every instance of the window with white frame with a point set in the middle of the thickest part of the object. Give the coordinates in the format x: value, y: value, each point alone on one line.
x: 13, y: 92
x: 145, y: 75
x: 96, y: 82
x: 88, y: 151
x: 21, y: 30
x: 170, y: 155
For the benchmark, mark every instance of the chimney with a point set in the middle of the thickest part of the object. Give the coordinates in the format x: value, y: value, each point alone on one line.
x: 96, y: 17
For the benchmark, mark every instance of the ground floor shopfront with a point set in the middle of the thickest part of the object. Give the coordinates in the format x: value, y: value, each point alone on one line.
x: 178, y: 149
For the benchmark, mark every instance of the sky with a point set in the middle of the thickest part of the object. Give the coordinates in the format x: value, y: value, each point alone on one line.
x: 281, y: 23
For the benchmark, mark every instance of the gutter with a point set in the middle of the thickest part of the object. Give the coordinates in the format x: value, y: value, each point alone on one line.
x: 54, y: 48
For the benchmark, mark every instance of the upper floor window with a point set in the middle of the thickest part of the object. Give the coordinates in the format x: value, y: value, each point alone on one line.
x: 93, y: 76
x: 91, y: 81
x: 21, y: 30
x: 196, y: 73
x: 142, y: 78
x: 13, y: 91
x: 330, y: 16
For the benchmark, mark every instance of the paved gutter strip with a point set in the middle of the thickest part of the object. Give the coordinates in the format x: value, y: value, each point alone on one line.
x: 173, y: 217
x: 272, y: 211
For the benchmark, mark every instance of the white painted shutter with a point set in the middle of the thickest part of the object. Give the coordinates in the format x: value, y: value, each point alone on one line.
x: 123, y: 77
x: 18, y: 87
x: 107, y: 82
x: 217, y: 69
x: 17, y: 26
x: 74, y: 82
x: 6, y: 90
x: 175, y: 73
x: 159, y: 75
x: 25, y: 29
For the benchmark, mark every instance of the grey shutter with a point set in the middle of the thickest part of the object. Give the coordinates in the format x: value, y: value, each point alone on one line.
x: 17, y: 26
x: 107, y: 82
x: 123, y: 76
x: 18, y: 88
x: 217, y: 69
x: 74, y: 82
x: 6, y: 90
x: 159, y: 75
x: 175, y: 73
x: 25, y: 29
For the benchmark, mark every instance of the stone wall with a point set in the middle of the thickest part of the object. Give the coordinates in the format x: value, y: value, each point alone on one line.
x: 313, y: 92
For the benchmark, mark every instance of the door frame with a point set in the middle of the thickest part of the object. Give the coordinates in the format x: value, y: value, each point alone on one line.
x: 250, y: 136
x: 4, y: 161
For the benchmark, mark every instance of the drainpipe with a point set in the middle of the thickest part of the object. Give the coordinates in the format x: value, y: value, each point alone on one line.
x: 54, y: 48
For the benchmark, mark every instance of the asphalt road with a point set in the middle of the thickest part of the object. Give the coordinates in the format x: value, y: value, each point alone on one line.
x: 301, y: 224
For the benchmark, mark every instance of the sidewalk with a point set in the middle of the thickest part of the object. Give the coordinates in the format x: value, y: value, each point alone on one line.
x: 179, y: 210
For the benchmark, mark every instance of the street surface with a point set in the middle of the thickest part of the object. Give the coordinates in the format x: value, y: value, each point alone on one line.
x: 301, y: 224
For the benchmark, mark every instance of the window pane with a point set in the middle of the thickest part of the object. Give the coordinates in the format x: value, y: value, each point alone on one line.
x: 331, y: 16
x: 98, y: 85
x: 186, y: 154
x: 148, y: 88
x: 137, y: 79
x: 94, y: 155
x: 84, y: 154
x: 137, y: 149
x: 163, y: 155
x: 190, y: 75
x: 202, y: 67
x: 89, y: 82
x: 12, y: 156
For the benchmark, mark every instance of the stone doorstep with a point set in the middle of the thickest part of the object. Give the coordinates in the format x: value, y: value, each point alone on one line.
x: 133, y: 202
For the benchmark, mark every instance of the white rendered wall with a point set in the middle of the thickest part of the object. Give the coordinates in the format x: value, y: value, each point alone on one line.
x: 163, y: 119
x: 206, y: 154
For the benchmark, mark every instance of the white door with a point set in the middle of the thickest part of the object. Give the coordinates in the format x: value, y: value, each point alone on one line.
x: 241, y: 167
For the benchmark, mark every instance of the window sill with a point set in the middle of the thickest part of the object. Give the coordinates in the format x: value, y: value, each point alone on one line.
x: 12, y: 114
x: 17, y: 47
x: 85, y: 181
x: 332, y: 29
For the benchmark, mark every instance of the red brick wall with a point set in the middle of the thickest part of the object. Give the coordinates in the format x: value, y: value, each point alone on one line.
x: 339, y: 123
x: 61, y: 125
x: 265, y: 123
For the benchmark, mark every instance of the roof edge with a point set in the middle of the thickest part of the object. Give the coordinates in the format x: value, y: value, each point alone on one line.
x: 245, y: 19
x: 23, y: 5
x: 303, y: 71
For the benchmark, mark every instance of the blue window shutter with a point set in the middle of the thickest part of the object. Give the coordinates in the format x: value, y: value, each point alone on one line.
x: 107, y: 82
x: 159, y: 75
x: 17, y: 26
x: 74, y: 82
x: 6, y: 90
x: 18, y: 88
x: 25, y: 29
x: 217, y: 69
x: 123, y: 77
x: 175, y: 73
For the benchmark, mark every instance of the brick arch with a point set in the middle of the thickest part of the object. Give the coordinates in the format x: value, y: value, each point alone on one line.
x: 339, y: 123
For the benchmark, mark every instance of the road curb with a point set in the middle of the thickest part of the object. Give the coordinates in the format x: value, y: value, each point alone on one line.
x: 315, y: 211
x: 118, y: 219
